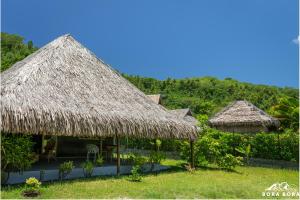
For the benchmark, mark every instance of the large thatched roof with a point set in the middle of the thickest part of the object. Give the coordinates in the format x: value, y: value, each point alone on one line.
x: 242, y: 116
x: 64, y: 89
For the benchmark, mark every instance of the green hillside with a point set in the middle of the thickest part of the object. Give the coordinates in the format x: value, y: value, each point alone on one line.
x: 207, y: 95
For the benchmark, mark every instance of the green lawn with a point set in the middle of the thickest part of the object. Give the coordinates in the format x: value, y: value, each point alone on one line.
x: 246, y: 182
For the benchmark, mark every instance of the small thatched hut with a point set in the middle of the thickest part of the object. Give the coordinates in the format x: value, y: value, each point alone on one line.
x: 63, y: 89
x: 156, y: 98
x: 185, y: 114
x: 243, y: 117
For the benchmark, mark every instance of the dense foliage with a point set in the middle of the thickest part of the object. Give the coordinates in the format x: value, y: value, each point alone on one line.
x: 13, y: 49
x: 16, y: 152
x: 216, y: 147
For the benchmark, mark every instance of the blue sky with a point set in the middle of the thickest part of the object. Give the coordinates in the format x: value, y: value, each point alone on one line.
x: 249, y: 40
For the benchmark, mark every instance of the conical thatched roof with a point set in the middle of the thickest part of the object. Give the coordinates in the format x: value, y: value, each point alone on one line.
x: 242, y: 116
x: 186, y: 115
x: 64, y: 89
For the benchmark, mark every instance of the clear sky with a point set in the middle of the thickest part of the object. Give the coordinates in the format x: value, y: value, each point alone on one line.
x: 248, y: 40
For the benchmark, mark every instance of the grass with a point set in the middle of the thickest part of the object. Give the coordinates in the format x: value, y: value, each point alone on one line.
x: 244, y: 182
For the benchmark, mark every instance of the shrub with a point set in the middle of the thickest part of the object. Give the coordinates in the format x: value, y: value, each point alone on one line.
x: 246, y: 152
x: 289, y: 146
x: 229, y: 161
x: 201, y: 161
x: 155, y: 158
x: 32, y: 187
x: 265, y: 145
x: 32, y: 183
x: 65, y: 169
x: 88, y: 168
x: 213, y: 147
x: 99, y: 160
x: 135, y: 174
x: 137, y: 159
x: 16, y: 153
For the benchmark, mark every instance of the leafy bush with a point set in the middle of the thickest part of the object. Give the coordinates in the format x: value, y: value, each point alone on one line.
x: 99, y: 160
x: 201, y: 161
x: 88, y: 168
x: 16, y: 153
x: 32, y: 187
x: 246, y: 152
x: 155, y: 158
x: 213, y: 147
x: 229, y: 161
x: 289, y: 146
x: 65, y: 169
x: 32, y: 184
x: 265, y: 145
x: 137, y: 159
x: 135, y: 174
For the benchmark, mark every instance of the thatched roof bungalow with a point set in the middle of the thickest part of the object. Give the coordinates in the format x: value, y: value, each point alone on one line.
x: 243, y: 117
x: 64, y: 89
x: 185, y: 114
x: 156, y: 98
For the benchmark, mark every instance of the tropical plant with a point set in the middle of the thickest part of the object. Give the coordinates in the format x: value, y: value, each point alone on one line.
x: 88, y: 168
x: 32, y: 187
x: 156, y: 157
x: 137, y: 159
x: 287, y: 111
x: 245, y: 151
x: 65, y: 169
x: 229, y: 161
x: 99, y: 160
x: 135, y: 174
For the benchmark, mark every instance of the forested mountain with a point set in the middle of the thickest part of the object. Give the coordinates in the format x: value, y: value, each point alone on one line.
x: 203, y: 95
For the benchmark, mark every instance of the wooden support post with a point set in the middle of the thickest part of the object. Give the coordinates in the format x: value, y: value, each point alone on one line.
x: 101, y: 148
x: 192, y: 161
x: 118, y: 155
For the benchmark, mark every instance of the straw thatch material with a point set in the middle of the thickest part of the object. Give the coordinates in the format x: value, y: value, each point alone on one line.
x: 243, y: 117
x: 156, y: 98
x: 185, y: 114
x: 64, y: 89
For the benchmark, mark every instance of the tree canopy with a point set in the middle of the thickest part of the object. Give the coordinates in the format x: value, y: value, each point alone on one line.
x: 13, y: 49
